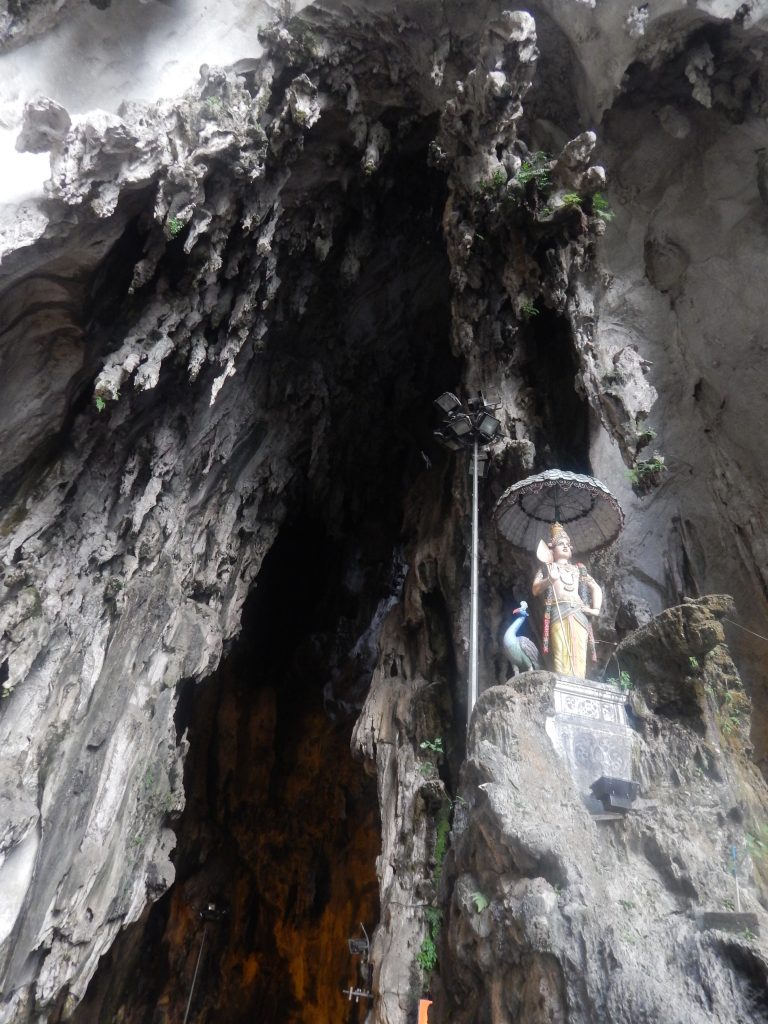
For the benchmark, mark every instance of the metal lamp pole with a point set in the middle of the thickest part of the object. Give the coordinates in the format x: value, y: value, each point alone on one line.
x: 210, y: 912
x: 194, y: 976
x: 474, y: 598
x: 466, y: 429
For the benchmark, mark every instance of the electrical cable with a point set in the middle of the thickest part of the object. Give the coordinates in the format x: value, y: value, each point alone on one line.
x: 744, y: 628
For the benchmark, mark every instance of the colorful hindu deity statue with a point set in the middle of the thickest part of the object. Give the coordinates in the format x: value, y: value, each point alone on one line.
x: 571, y: 600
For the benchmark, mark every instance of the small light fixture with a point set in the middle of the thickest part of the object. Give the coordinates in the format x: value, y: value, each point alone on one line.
x: 360, y: 946
x: 357, y: 994
x: 488, y: 425
x: 491, y: 398
x: 447, y: 402
x: 460, y: 424
x: 482, y: 464
x: 212, y: 912
x: 615, y: 794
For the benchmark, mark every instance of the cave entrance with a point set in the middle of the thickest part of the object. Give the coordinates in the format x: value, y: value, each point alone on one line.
x: 281, y: 828
x: 280, y: 832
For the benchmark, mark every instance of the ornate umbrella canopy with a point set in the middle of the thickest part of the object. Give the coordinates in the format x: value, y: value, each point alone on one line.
x: 586, y: 508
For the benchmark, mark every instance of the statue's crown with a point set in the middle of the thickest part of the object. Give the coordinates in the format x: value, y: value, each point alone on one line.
x: 556, y: 531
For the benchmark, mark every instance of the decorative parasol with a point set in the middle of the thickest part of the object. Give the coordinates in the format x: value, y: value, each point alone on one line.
x: 586, y: 508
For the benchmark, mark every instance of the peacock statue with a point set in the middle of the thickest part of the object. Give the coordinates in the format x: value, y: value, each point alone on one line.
x: 522, y: 652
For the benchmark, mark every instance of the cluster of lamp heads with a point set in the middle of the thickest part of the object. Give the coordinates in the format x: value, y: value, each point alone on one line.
x: 467, y: 424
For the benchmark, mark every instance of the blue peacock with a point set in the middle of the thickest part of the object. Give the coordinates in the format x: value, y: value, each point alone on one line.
x: 523, y: 653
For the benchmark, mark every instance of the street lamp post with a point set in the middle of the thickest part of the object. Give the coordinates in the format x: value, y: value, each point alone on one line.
x: 470, y: 428
x: 210, y: 912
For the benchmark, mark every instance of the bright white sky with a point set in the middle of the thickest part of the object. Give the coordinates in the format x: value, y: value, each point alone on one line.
x: 95, y: 59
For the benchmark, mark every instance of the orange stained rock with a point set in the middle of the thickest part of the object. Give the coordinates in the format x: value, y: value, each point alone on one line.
x: 296, y: 867
x: 424, y: 1005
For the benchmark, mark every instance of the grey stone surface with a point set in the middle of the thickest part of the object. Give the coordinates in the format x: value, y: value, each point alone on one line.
x: 20, y: 22
x: 46, y: 124
x: 130, y: 537
x: 586, y: 920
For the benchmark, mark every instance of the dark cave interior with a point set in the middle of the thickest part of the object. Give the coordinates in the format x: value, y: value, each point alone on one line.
x: 281, y: 826
x: 550, y: 369
x: 280, y: 830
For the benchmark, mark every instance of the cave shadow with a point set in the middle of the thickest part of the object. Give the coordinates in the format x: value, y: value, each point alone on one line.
x: 281, y: 832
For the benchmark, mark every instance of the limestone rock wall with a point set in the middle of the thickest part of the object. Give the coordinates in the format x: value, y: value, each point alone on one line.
x: 237, y: 302
x: 556, y: 916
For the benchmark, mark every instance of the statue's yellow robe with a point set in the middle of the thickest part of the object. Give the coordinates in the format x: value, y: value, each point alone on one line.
x: 569, y: 640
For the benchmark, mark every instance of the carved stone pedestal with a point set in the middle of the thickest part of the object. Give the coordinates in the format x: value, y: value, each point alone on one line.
x: 589, y: 730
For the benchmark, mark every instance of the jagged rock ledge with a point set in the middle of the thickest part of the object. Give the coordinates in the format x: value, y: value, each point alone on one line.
x: 581, y: 919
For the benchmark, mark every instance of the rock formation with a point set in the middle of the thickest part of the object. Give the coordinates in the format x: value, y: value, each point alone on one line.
x: 615, y: 931
x: 223, y: 325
